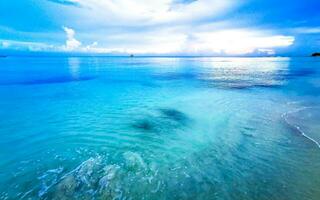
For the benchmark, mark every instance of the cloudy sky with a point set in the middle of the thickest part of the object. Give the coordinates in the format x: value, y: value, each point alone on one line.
x: 161, y: 27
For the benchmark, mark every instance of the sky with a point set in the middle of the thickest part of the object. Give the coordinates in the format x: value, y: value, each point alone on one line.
x: 161, y: 27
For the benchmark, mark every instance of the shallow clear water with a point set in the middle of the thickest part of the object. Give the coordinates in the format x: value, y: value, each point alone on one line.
x: 159, y: 128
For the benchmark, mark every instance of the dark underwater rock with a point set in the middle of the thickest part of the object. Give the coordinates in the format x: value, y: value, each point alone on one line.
x: 315, y: 54
x: 165, y: 121
x: 144, y: 125
x: 173, y: 114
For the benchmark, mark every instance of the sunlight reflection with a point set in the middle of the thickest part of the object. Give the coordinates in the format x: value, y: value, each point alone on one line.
x: 245, y: 72
x: 74, y: 67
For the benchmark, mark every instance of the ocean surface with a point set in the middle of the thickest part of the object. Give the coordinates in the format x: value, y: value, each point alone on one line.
x: 160, y: 128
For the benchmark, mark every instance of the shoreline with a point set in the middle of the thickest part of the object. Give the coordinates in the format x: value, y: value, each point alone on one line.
x: 298, y: 128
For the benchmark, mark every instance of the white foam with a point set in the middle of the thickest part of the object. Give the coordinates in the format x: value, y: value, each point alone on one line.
x: 298, y: 128
x: 83, y: 170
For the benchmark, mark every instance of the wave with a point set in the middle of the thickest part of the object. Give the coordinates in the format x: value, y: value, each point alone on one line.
x: 98, y: 178
x: 286, y: 116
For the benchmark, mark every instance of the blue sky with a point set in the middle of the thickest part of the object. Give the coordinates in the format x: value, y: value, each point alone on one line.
x: 162, y: 27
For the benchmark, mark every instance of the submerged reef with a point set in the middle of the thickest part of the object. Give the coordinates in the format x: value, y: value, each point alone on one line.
x: 96, y: 178
x: 315, y: 54
x: 144, y: 124
x: 173, y: 114
x: 164, y: 120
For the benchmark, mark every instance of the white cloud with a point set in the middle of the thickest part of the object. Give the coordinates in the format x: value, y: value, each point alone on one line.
x: 23, y: 45
x: 146, y: 12
x: 71, y: 43
x: 167, y: 27
x: 163, y: 27
x: 209, y: 42
x: 267, y: 51
x: 237, y: 42
x: 200, y: 41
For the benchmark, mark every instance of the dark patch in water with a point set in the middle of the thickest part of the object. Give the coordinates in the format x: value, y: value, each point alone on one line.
x: 247, y: 134
x: 54, y: 80
x: 240, y: 85
x: 301, y: 73
x: 175, y: 76
x: 249, y: 128
x: 128, y: 81
x: 268, y: 85
x: 144, y: 125
x: 247, y: 131
x: 174, y: 115
x: 166, y: 121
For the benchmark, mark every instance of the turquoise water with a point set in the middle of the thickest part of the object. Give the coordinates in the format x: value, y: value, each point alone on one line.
x: 159, y: 128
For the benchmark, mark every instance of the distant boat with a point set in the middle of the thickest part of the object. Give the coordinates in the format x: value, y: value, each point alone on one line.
x: 315, y: 54
x: 131, y: 55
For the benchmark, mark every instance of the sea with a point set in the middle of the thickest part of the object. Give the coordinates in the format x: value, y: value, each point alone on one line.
x: 134, y: 128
